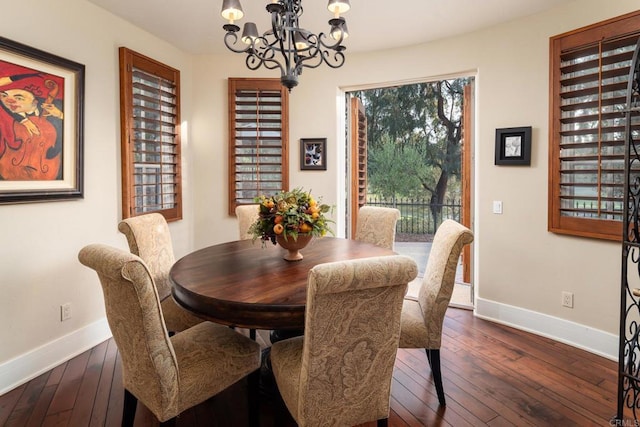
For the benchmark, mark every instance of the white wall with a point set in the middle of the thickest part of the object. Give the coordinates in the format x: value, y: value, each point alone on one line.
x: 520, y: 268
x: 39, y: 269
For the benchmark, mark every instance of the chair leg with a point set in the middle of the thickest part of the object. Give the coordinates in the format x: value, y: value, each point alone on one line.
x: 129, y: 409
x: 253, y: 392
x: 383, y: 422
x: 169, y: 423
x: 433, y: 356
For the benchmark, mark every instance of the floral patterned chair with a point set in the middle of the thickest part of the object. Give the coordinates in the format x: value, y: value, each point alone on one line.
x: 167, y: 374
x: 247, y: 215
x: 422, y: 318
x: 339, y: 373
x: 377, y: 225
x: 149, y: 238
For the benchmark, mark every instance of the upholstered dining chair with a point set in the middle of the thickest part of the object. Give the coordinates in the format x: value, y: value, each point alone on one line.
x: 339, y: 373
x: 247, y: 215
x: 167, y: 374
x: 377, y: 225
x: 149, y: 238
x: 422, y: 318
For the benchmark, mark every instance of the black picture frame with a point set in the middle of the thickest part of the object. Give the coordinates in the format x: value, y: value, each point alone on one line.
x: 513, y: 146
x: 313, y: 154
x: 56, y: 86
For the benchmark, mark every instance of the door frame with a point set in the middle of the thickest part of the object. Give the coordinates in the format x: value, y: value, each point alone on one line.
x: 468, y: 158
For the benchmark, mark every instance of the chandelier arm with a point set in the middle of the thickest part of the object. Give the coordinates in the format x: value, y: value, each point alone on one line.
x: 262, y: 56
x: 323, y: 53
x: 338, y: 59
x: 234, y: 38
x: 335, y: 46
x: 333, y: 60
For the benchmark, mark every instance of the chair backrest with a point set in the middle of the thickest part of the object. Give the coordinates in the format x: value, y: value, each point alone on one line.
x: 377, y: 225
x: 352, y: 328
x: 149, y: 237
x: 149, y: 365
x: 247, y: 215
x: 440, y: 276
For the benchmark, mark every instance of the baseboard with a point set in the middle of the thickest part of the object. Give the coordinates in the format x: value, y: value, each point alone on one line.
x: 574, y: 334
x: 26, y: 367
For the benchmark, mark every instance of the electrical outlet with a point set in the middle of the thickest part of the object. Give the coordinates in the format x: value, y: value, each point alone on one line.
x: 567, y: 299
x: 65, y: 312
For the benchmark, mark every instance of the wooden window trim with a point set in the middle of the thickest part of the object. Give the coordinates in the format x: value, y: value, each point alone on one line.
x: 235, y: 84
x: 625, y: 25
x: 359, y: 141
x: 128, y: 60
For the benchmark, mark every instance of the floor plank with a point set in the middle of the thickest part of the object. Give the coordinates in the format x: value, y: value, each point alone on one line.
x: 99, y: 412
x: 22, y: 411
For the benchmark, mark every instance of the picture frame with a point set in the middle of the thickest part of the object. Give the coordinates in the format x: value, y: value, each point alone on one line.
x: 313, y: 154
x: 41, y: 125
x: 513, y: 146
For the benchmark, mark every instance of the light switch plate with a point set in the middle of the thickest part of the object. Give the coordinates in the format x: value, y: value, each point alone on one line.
x: 497, y: 207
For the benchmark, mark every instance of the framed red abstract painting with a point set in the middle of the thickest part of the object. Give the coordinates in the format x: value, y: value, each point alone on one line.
x: 41, y: 125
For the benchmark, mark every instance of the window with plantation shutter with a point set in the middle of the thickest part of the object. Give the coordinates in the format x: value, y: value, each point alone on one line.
x: 150, y: 137
x: 258, y: 139
x: 589, y: 75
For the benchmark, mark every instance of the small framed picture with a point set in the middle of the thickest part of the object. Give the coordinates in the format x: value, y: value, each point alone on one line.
x: 313, y: 154
x: 513, y: 146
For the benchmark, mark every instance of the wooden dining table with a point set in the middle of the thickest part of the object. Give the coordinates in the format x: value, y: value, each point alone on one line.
x: 248, y: 284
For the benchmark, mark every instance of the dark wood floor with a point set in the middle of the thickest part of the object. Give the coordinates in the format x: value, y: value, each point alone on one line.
x: 493, y: 375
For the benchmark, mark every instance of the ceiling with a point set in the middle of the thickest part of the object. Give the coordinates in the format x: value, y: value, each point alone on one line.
x: 195, y: 26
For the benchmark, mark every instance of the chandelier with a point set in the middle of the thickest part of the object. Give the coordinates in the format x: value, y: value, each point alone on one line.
x: 286, y: 46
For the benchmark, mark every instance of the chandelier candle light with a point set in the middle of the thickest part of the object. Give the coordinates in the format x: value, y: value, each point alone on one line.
x: 286, y: 46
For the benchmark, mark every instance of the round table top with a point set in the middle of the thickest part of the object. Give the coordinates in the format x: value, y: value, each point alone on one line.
x: 244, y: 284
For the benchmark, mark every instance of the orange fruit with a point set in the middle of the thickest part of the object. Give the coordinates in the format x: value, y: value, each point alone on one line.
x: 305, y: 228
x: 278, y: 228
x: 278, y: 219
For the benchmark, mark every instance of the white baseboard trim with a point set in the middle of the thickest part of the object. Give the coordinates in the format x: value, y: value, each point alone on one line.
x: 26, y: 367
x: 574, y: 334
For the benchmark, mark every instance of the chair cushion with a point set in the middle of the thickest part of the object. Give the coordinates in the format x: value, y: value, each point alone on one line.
x: 413, y: 331
x: 210, y: 358
x: 287, y: 366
